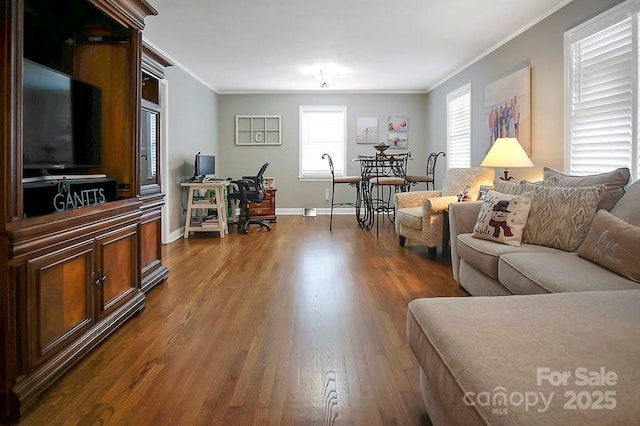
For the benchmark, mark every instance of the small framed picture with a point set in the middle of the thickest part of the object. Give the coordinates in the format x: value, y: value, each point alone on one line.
x: 367, y: 130
x: 483, y: 191
x: 398, y: 123
x: 398, y: 140
x: 269, y: 182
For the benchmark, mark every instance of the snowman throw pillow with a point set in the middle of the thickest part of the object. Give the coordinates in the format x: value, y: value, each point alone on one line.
x: 502, y: 217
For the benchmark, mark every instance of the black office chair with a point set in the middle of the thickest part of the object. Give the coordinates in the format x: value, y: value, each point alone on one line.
x: 249, y: 189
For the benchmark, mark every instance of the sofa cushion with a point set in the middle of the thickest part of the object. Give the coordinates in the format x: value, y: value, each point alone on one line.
x: 477, y: 283
x: 556, y: 272
x: 627, y: 207
x: 502, y: 217
x: 411, y: 217
x: 614, y: 180
x: 483, y: 255
x: 613, y: 244
x: 479, y: 346
x: 561, y: 217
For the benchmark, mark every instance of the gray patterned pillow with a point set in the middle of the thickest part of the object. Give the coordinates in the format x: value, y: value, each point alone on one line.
x: 561, y: 217
x: 615, y: 181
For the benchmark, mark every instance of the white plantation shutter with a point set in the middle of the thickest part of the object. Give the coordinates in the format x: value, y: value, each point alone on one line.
x: 322, y: 129
x: 601, y: 61
x: 459, y: 127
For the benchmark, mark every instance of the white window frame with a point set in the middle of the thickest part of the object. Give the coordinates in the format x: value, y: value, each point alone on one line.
x: 454, y: 158
x: 613, y: 16
x: 340, y: 166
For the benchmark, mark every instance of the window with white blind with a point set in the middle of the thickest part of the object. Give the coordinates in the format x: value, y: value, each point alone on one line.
x: 601, y: 66
x: 322, y: 129
x: 459, y: 127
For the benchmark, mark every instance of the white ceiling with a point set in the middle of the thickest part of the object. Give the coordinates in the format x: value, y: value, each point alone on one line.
x: 256, y: 46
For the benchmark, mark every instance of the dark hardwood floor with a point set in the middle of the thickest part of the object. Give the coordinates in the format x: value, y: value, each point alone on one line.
x: 294, y: 326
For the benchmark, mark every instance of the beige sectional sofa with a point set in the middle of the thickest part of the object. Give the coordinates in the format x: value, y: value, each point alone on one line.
x: 493, y: 360
x: 487, y: 268
x: 567, y: 356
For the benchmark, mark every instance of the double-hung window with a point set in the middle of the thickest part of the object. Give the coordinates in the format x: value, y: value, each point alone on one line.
x: 323, y: 129
x: 459, y: 127
x: 601, y: 85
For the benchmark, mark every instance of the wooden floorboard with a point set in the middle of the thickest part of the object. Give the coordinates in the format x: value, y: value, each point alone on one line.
x: 295, y: 326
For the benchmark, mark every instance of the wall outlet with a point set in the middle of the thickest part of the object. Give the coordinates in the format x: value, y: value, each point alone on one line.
x: 326, y: 194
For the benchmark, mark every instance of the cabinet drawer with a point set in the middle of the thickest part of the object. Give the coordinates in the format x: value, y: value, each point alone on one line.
x: 262, y: 209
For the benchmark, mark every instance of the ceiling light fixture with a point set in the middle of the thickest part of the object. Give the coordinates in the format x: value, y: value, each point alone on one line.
x: 324, y: 78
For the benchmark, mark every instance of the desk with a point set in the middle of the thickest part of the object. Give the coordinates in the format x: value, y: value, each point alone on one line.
x: 206, y: 196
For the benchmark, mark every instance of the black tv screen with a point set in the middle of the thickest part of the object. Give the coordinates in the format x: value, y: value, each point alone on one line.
x: 62, y: 120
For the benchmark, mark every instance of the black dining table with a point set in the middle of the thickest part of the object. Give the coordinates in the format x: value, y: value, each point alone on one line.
x: 382, y: 174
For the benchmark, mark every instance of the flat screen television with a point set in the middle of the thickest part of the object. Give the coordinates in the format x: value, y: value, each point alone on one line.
x: 62, y: 121
x: 204, y: 165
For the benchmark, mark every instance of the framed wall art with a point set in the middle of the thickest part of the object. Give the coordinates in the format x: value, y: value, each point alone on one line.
x: 398, y: 140
x: 367, y: 130
x: 508, y: 108
x: 398, y: 123
x: 258, y: 130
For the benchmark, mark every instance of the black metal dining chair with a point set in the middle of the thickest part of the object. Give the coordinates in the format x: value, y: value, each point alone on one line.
x: 430, y: 176
x: 349, y: 180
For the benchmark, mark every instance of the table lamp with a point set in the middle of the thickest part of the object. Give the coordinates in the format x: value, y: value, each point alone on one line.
x: 505, y: 153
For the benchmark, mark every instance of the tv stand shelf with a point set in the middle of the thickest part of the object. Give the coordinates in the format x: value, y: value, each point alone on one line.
x: 214, y: 198
x: 61, y: 177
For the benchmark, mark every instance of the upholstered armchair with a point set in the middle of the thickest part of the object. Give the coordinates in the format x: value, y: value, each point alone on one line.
x: 420, y: 214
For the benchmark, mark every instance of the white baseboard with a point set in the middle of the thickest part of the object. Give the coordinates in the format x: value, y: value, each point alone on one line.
x: 176, y: 235
x: 319, y: 211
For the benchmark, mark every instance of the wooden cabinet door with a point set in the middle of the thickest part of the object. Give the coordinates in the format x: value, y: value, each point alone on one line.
x: 116, y: 268
x: 60, y: 299
x: 152, y: 270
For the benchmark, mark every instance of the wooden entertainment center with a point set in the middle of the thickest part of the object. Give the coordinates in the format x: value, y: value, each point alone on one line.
x: 70, y: 278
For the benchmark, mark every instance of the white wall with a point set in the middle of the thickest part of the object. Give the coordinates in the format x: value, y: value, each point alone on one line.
x: 541, y: 48
x: 246, y: 160
x: 192, y: 127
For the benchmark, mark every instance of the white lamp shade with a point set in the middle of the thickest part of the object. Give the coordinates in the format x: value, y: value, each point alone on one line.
x: 506, y: 152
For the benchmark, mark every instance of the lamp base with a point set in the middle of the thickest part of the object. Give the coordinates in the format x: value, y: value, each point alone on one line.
x: 506, y: 175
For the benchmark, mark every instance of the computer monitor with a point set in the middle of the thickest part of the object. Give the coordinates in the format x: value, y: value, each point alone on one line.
x: 204, y: 165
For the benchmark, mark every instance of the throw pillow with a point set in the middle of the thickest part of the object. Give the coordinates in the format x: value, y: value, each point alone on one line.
x: 627, y: 207
x: 550, y: 181
x: 561, y: 217
x: 613, y: 244
x: 508, y: 187
x: 502, y: 217
x: 614, y: 180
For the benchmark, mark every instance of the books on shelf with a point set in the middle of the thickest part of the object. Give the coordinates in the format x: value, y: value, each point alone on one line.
x: 210, y: 221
